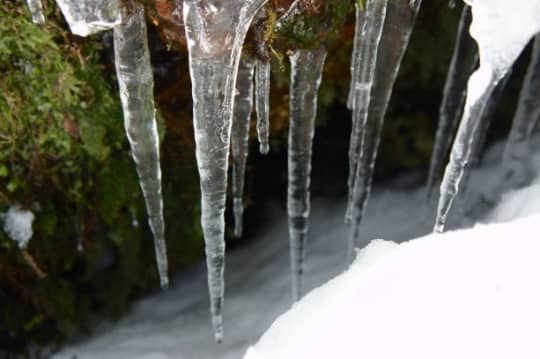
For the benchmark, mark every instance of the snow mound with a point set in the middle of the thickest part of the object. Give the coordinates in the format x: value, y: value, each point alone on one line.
x: 464, y: 294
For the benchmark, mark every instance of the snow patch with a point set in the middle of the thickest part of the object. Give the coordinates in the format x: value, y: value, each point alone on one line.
x: 18, y: 225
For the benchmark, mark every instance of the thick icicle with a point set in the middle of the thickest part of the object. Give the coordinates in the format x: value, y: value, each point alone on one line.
x: 480, y: 137
x: 365, y: 61
x: 36, y: 9
x: 306, y: 74
x: 464, y: 60
x: 243, y: 104
x: 360, y: 16
x: 400, y: 19
x: 262, y: 104
x: 215, y: 30
x: 500, y: 42
x: 136, y: 84
x: 525, y: 119
x: 86, y: 17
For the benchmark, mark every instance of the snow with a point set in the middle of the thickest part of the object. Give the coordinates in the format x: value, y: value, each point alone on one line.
x: 463, y: 294
x: 175, y: 324
x: 18, y: 225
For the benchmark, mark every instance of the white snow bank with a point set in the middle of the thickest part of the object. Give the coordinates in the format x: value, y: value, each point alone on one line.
x: 465, y: 294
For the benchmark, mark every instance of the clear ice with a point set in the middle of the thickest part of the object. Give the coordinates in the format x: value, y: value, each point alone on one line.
x: 464, y: 60
x: 484, y: 122
x: 400, y: 19
x: 36, y: 9
x: 215, y: 32
x: 500, y: 42
x: 360, y: 16
x: 525, y: 119
x: 136, y: 85
x: 243, y: 105
x: 262, y: 104
x: 86, y: 17
x: 306, y: 74
x: 364, y: 63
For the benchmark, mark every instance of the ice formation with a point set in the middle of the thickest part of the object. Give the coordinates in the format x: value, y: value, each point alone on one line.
x: 243, y: 104
x: 262, y: 104
x: 479, y: 138
x: 464, y: 60
x: 86, y: 17
x: 215, y: 31
x: 527, y: 114
x: 136, y: 84
x: 306, y: 74
x: 36, y: 10
x: 364, y: 61
x: 399, y: 22
x: 360, y: 16
x: 500, y: 42
x: 18, y: 225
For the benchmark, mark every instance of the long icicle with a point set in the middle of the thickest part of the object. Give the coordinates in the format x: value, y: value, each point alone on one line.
x: 364, y: 61
x: 497, y: 54
x: 480, y: 136
x: 36, y: 10
x: 262, y: 104
x: 464, y: 60
x: 306, y: 74
x: 136, y: 84
x: 360, y: 16
x: 215, y: 30
x: 526, y: 117
x: 243, y: 105
x: 400, y: 19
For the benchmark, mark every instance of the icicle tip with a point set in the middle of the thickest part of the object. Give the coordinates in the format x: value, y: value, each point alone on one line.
x: 264, y: 149
x: 164, y: 282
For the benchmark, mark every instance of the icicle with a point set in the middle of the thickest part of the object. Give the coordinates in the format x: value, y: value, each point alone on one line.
x: 464, y: 60
x: 86, y: 17
x: 480, y: 136
x: 306, y: 74
x: 243, y: 104
x: 452, y: 4
x: 498, y: 48
x: 136, y: 84
x: 526, y: 116
x: 215, y: 30
x: 365, y: 61
x: 36, y: 9
x: 360, y: 16
x: 262, y: 104
x: 400, y: 18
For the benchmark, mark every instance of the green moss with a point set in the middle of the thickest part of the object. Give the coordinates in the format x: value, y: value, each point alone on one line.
x: 63, y: 154
x: 309, y: 29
